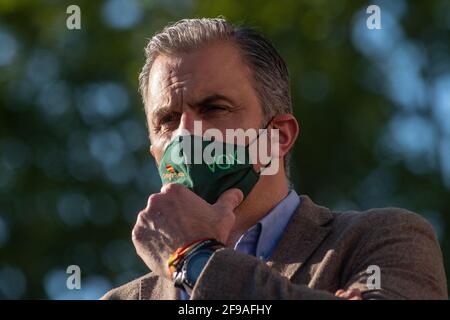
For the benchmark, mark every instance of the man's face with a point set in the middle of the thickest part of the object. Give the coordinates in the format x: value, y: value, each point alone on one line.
x: 211, y: 84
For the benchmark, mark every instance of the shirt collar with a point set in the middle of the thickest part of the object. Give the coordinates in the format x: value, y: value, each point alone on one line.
x: 261, y: 239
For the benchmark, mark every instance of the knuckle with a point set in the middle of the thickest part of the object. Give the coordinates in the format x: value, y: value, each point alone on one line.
x: 142, y: 216
x: 138, y: 233
x: 153, y: 199
x: 173, y: 188
x: 139, y: 230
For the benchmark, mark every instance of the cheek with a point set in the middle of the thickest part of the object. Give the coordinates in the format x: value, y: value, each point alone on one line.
x: 157, y: 153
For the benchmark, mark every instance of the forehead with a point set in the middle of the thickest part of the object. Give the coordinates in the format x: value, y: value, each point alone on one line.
x: 212, y: 68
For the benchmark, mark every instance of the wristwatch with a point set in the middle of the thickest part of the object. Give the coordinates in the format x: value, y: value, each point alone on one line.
x: 193, y: 265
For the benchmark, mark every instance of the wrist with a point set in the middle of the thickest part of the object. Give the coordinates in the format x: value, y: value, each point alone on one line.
x: 186, y: 270
x: 176, y: 258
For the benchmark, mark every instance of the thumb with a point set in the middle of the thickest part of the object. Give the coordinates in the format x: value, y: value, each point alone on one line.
x: 230, y: 199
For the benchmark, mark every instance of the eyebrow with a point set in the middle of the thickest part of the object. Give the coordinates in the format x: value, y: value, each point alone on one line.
x: 214, y: 98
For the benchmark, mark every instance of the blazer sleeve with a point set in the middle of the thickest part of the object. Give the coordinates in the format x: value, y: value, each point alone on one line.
x: 402, y: 245
x: 233, y: 275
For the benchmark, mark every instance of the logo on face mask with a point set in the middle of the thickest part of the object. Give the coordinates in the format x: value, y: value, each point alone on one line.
x: 224, y: 162
x: 171, y: 174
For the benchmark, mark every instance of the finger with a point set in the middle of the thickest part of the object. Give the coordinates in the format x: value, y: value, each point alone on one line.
x: 355, y: 294
x: 339, y: 293
x: 351, y: 294
x: 173, y: 188
x: 342, y: 293
x: 153, y: 200
x: 230, y: 199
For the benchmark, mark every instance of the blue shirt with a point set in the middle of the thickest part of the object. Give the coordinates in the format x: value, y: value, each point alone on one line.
x: 261, y: 239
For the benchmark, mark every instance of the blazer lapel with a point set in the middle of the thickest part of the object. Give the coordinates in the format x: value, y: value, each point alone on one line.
x: 307, y: 229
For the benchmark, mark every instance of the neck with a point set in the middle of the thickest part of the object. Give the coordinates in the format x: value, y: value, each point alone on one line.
x: 266, y: 194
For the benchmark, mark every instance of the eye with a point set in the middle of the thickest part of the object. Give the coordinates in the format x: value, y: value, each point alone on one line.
x: 213, y: 108
x: 167, y: 122
x: 171, y: 117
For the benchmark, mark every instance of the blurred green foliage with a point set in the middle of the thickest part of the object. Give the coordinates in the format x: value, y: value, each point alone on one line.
x: 373, y: 105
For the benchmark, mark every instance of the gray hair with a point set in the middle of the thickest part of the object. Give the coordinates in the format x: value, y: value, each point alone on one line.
x: 271, y: 76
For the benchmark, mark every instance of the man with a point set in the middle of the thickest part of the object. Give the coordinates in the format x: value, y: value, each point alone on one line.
x: 253, y: 237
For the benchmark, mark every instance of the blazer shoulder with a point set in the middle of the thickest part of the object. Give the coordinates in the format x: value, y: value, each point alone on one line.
x: 384, y: 216
x: 366, y: 220
x: 128, y: 291
x: 382, y: 221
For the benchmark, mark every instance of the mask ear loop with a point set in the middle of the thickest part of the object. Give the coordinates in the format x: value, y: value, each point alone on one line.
x: 263, y: 167
x: 259, y: 134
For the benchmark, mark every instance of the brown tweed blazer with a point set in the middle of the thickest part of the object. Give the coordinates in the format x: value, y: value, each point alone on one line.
x: 320, y: 252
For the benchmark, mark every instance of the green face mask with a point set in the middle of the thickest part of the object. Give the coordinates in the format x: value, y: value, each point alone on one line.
x: 225, y: 166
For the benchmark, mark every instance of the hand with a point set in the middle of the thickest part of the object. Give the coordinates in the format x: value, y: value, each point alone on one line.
x: 177, y: 216
x: 351, y: 294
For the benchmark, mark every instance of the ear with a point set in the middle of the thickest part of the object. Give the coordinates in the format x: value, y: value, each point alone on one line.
x: 288, y: 132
